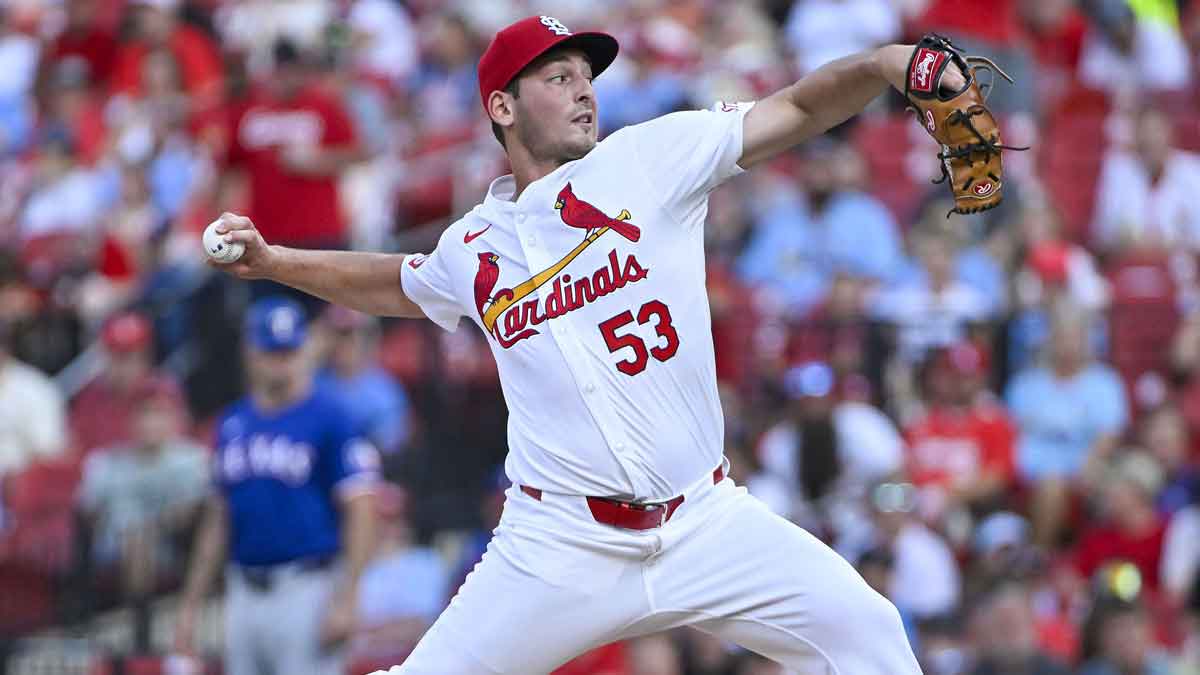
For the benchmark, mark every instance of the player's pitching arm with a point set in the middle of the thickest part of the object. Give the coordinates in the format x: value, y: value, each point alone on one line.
x: 824, y: 99
x: 368, y: 282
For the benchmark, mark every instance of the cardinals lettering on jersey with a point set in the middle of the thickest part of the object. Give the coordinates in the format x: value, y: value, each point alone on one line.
x: 568, y: 295
x: 509, y: 317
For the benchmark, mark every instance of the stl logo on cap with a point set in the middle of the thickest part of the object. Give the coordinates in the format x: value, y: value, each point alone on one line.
x: 555, y: 25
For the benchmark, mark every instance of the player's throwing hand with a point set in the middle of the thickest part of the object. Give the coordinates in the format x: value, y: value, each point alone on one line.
x: 257, y: 260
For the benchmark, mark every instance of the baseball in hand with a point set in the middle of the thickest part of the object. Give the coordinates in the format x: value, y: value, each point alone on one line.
x: 218, y: 249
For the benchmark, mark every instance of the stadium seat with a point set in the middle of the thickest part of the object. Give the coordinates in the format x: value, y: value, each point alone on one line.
x: 40, y: 501
x: 1143, y: 317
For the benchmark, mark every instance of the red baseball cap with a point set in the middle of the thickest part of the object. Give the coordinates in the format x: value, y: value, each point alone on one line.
x: 127, y: 332
x: 518, y: 44
x: 966, y: 358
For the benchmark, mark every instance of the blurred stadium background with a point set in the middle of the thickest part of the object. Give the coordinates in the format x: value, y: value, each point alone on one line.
x: 997, y: 418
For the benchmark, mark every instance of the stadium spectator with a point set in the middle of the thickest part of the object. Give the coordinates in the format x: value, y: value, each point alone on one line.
x: 798, y: 247
x: 820, y: 31
x: 878, y: 568
x: 1004, y: 633
x: 1123, y: 641
x: 933, y: 308
x: 1001, y: 552
x: 71, y: 102
x: 960, y: 450
x: 403, y: 589
x: 85, y: 37
x: 1134, y: 48
x: 1129, y: 528
x: 376, y: 400
x: 102, y: 413
x: 1070, y: 414
x: 828, y: 452
x: 926, y: 582
x: 1181, y: 555
x: 150, y: 129
x: 1056, y: 30
x: 1164, y: 435
x: 140, y: 499
x: 292, y: 140
x: 641, y: 90
x: 66, y: 198
x: 156, y: 25
x: 444, y: 87
x: 32, y: 415
x: 988, y: 27
x: 385, y: 41
x: 1146, y: 195
x: 20, y: 52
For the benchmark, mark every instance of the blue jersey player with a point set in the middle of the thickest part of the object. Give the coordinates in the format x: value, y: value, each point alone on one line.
x: 291, y: 511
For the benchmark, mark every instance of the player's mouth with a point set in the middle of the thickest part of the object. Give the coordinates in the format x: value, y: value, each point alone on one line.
x: 584, y: 119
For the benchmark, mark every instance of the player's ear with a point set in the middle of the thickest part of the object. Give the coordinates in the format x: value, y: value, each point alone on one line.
x: 501, y: 108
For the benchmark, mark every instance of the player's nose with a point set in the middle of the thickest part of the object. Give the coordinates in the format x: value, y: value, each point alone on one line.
x: 585, y: 93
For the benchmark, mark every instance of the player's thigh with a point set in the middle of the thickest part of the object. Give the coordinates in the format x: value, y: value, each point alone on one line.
x: 509, y: 619
x: 765, y: 583
x: 242, y: 649
x: 299, y: 603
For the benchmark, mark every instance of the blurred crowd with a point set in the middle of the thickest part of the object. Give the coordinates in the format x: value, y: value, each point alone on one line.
x: 996, y: 418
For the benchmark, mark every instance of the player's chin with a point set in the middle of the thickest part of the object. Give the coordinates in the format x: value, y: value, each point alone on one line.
x: 578, y: 144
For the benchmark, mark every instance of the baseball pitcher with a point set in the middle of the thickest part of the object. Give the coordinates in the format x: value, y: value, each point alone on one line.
x: 585, y: 269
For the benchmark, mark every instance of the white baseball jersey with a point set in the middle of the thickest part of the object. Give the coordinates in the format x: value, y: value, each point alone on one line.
x: 590, y: 289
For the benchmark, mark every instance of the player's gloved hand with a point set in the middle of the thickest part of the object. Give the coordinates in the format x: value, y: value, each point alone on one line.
x: 954, y: 111
x: 257, y: 260
x: 341, y: 619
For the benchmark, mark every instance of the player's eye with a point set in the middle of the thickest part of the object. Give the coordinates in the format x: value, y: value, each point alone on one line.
x: 560, y: 78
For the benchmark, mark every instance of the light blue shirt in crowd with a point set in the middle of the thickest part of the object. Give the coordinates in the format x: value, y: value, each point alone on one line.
x: 798, y: 252
x: 1060, y: 419
x: 377, y: 403
x: 412, y: 583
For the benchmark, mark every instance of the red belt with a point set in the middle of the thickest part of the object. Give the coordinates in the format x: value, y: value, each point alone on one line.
x: 631, y: 515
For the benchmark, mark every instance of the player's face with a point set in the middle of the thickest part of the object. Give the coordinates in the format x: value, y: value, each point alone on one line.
x: 274, y: 374
x: 555, y: 111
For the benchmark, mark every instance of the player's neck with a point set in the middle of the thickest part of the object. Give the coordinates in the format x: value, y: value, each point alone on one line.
x: 271, y: 400
x: 526, y: 169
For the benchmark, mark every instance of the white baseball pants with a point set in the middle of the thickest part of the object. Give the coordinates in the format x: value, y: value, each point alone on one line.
x: 554, y: 583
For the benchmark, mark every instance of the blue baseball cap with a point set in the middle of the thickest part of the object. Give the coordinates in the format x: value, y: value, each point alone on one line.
x: 276, y: 324
x: 813, y: 379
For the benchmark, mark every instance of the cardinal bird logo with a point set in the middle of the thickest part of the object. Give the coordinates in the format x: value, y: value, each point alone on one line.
x: 485, y: 279
x: 578, y: 213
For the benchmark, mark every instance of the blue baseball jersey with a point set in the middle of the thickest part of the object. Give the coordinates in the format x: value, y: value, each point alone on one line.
x: 281, y: 471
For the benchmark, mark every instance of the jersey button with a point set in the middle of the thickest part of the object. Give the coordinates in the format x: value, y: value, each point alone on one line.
x: 589, y: 387
x: 520, y: 217
x: 620, y: 446
x: 531, y: 240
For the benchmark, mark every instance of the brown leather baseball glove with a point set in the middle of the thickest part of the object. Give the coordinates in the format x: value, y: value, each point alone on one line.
x: 960, y: 121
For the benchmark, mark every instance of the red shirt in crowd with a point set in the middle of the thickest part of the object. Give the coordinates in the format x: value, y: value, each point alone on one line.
x: 101, y: 416
x: 1107, y: 543
x: 289, y: 207
x: 995, y: 21
x: 198, y: 58
x: 97, y: 47
x: 949, y: 447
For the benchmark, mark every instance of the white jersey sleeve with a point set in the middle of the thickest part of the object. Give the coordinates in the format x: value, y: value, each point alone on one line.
x: 426, y: 280
x: 687, y: 154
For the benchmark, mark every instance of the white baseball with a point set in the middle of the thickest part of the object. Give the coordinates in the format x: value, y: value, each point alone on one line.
x: 218, y: 249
